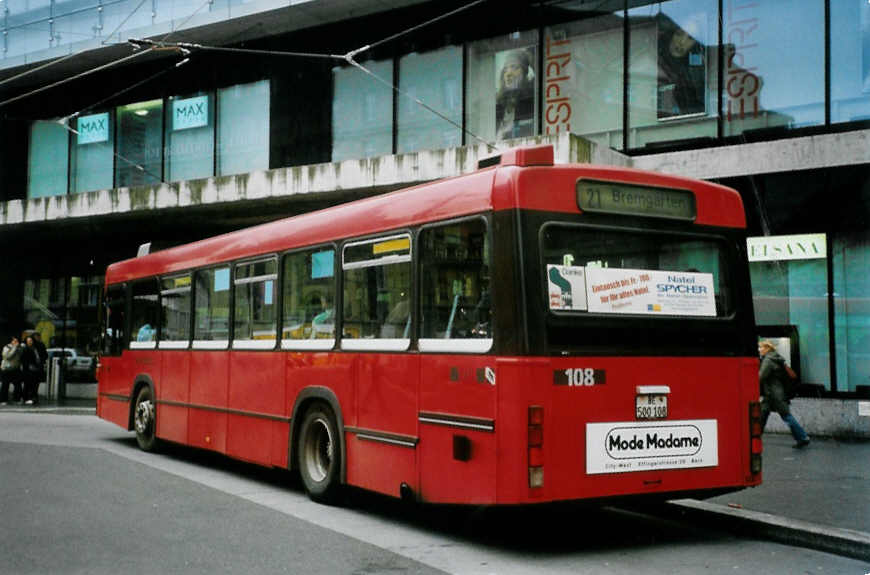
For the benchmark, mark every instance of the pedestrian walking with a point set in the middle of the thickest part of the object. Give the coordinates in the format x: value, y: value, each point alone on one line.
x: 774, y: 382
x: 10, y: 371
x: 31, y: 368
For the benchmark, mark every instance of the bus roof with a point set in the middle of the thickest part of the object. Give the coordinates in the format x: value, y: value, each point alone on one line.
x: 542, y: 186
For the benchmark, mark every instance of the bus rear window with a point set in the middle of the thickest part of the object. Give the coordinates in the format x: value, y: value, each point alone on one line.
x: 617, y: 272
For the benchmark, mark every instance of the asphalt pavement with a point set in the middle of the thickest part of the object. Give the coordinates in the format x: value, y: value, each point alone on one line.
x: 817, y: 497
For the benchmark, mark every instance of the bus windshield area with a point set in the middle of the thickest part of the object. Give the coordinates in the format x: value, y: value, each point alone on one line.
x: 619, y: 272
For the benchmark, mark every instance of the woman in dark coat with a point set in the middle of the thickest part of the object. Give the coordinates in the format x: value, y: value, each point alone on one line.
x: 773, y: 384
x: 31, y: 370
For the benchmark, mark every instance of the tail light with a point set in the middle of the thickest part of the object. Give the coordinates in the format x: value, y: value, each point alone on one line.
x: 755, y: 430
x: 536, y: 446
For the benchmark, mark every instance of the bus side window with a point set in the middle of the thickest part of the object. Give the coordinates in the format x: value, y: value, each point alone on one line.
x: 308, y: 317
x: 114, y: 320
x: 145, y: 314
x: 455, y: 291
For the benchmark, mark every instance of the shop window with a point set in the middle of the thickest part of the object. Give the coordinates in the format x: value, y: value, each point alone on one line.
x: 212, y: 315
x: 377, y: 294
x: 850, y: 61
x: 436, y: 79
x: 454, y: 293
x: 144, y: 315
x: 583, y: 63
x: 48, y: 160
x: 501, y: 80
x: 92, y: 153
x: 255, y: 321
x: 673, y: 76
x: 140, y: 144
x: 243, y: 128
x: 789, y: 292
x: 852, y: 311
x: 189, y: 137
x: 362, y: 112
x: 774, y: 72
x: 175, y: 311
x: 309, y: 300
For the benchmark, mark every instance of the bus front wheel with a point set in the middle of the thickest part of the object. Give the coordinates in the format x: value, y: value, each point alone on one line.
x: 144, y: 420
x: 319, y: 453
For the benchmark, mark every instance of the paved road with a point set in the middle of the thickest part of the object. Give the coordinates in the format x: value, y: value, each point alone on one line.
x: 79, y: 497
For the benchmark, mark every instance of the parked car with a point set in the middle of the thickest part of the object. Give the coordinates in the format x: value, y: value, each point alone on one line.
x: 78, y: 365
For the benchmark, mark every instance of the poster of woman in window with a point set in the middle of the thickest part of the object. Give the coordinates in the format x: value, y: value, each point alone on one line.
x: 682, y: 67
x: 515, y: 93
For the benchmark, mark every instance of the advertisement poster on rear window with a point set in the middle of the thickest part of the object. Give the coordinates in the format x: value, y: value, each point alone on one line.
x: 631, y: 291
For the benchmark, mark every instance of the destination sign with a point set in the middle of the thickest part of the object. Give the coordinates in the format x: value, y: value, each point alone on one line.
x: 631, y: 200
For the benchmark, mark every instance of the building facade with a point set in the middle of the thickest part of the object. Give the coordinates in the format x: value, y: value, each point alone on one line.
x: 260, y: 114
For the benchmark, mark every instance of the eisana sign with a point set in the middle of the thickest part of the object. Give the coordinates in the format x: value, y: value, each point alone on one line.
x: 782, y: 248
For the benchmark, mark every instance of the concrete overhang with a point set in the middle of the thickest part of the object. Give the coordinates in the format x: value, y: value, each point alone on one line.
x: 259, y: 196
x: 786, y: 155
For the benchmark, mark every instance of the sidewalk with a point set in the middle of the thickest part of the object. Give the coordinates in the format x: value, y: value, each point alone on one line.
x: 817, y: 497
x: 70, y: 406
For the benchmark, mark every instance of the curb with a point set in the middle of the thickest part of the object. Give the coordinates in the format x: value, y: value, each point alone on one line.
x: 846, y: 542
x: 50, y: 410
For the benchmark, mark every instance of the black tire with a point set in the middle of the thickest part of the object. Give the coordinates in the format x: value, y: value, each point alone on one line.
x: 319, y: 454
x: 145, y: 420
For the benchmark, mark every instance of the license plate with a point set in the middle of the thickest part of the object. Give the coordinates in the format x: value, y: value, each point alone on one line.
x: 651, y: 407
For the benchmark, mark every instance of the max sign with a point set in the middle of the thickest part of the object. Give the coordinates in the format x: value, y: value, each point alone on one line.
x: 93, y: 128
x: 190, y: 113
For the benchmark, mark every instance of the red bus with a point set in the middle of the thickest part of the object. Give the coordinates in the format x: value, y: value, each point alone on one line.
x: 526, y: 333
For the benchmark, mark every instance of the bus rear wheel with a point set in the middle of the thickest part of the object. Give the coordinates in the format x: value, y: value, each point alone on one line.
x: 319, y: 454
x: 145, y: 421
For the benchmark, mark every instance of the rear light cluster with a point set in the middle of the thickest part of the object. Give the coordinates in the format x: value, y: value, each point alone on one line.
x: 536, y: 446
x: 755, y: 430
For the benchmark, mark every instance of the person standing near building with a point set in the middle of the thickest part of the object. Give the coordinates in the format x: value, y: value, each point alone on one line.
x: 773, y: 377
x: 10, y: 371
x: 31, y: 367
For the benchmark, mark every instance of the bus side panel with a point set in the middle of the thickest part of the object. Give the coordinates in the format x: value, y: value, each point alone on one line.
x: 113, y: 392
x: 173, y: 387
x: 209, y: 373
x: 455, y: 391
x: 322, y: 371
x: 387, y: 388
x: 255, y: 388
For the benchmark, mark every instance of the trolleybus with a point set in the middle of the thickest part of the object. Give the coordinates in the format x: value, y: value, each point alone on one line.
x: 526, y: 333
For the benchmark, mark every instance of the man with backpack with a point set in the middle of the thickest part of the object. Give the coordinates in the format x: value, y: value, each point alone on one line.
x: 775, y: 383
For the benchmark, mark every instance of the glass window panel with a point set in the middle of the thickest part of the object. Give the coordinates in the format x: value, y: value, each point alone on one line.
x: 793, y: 293
x: 362, y: 112
x: 309, y: 295
x: 140, y: 144
x: 850, y: 61
x: 774, y: 64
x: 92, y: 157
x: 243, y: 128
x: 501, y: 80
x: 255, y: 317
x: 455, y: 296
x: 212, y: 305
x: 674, y: 71
x: 48, y: 160
x: 436, y: 79
x: 852, y: 311
x: 175, y: 305
x: 144, y: 313
x: 583, y: 84
x: 377, y: 292
x: 189, y: 137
